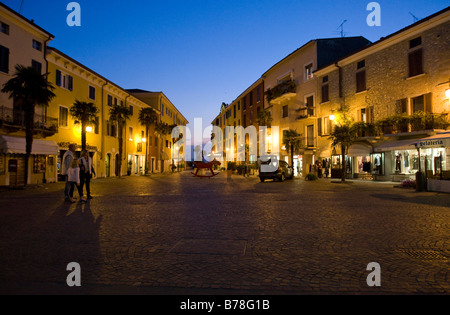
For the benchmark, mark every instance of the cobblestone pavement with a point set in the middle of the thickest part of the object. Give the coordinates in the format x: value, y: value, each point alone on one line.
x: 176, y: 234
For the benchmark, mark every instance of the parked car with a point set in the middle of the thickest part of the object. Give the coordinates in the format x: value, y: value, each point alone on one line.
x: 270, y: 167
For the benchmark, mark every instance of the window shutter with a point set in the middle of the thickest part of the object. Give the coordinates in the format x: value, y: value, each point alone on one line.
x: 70, y: 87
x: 330, y: 126
x: 358, y: 115
x: 428, y: 106
x: 58, y: 78
x: 415, y: 63
x: 361, y: 81
x: 319, y: 126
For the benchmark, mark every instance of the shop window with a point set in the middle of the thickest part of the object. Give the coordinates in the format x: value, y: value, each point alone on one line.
x: 130, y: 133
x: 39, y: 164
x: 377, y: 160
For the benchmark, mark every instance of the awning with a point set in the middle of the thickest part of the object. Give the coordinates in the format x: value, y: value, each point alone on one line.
x: 440, y: 140
x: 397, y: 145
x: 16, y: 145
x: 359, y: 149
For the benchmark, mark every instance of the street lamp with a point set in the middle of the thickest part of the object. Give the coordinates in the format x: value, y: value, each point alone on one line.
x: 88, y: 129
x: 332, y: 117
x: 447, y: 93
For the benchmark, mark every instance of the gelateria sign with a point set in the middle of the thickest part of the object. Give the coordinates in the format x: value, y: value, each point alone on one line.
x: 433, y: 143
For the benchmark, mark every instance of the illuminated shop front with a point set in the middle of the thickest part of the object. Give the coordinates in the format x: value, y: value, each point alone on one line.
x: 404, y: 158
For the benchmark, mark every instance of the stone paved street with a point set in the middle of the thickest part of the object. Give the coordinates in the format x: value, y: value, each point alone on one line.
x: 176, y: 234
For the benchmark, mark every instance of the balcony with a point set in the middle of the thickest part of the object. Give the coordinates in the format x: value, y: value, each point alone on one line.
x: 282, y: 92
x: 13, y: 121
x: 418, y: 122
x: 305, y: 112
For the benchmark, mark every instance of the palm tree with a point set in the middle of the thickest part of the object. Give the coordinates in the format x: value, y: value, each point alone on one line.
x: 292, y: 140
x: 29, y: 88
x: 147, y: 118
x: 84, y: 113
x: 343, y: 135
x: 120, y: 115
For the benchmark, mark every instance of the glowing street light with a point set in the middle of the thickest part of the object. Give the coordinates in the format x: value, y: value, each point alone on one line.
x: 88, y: 129
x: 332, y: 117
x: 447, y: 93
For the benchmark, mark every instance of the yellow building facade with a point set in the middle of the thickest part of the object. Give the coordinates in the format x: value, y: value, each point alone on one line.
x: 56, y: 129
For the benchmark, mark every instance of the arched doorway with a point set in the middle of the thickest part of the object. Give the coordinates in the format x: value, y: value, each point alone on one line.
x: 108, y: 165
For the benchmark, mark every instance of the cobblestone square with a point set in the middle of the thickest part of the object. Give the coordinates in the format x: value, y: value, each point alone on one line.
x: 177, y: 234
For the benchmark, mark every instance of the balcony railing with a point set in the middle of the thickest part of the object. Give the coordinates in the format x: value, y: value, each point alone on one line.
x: 14, y: 119
x: 305, y: 112
x: 281, y: 89
x: 417, y: 122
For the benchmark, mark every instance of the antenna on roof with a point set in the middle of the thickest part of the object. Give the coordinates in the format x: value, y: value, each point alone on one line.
x: 414, y: 17
x: 20, y: 10
x: 342, y: 28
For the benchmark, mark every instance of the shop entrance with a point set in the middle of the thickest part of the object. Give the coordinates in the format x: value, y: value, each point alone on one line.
x: 16, y: 169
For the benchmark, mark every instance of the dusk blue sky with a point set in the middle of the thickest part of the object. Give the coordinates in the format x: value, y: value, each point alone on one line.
x: 201, y: 53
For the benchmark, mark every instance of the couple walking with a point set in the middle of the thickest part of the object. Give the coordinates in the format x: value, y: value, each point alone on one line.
x: 77, y: 172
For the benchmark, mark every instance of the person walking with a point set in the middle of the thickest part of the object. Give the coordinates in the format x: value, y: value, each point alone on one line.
x: 86, y: 172
x: 66, y: 164
x: 73, y: 178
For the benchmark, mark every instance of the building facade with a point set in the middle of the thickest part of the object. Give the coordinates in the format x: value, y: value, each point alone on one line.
x: 396, y: 86
x: 56, y: 129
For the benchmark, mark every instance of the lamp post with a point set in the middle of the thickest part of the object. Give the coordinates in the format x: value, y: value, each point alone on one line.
x: 144, y: 140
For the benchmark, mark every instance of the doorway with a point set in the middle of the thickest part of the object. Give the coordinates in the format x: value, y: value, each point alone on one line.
x: 108, y: 165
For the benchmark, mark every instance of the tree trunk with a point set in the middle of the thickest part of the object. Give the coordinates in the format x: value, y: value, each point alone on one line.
x: 29, y: 125
x: 343, y: 162
x: 292, y: 156
x: 146, y: 150
x: 119, y: 162
x: 83, y: 135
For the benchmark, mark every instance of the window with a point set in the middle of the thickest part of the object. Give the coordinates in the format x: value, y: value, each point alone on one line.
x: 325, y: 90
x: 37, y: 45
x: 251, y: 98
x: 234, y: 111
x: 415, y: 42
x: 401, y: 106
x: 131, y: 110
x: 361, y: 64
x: 239, y: 105
x: 258, y: 94
x: 111, y: 129
x: 310, y: 136
x: 110, y: 100
x: 162, y: 109
x: 63, y: 116
x: 308, y: 72
x: 310, y: 105
x: 415, y: 62
x: 64, y: 80
x: 285, y: 111
x: 326, y: 126
x: 421, y: 103
x: 36, y: 65
x: 361, y: 76
x: 361, y: 81
x: 96, y: 126
x: 115, y: 101
x: 4, y: 59
x: 130, y: 133
x: 244, y: 103
x: 92, y: 93
x: 167, y: 143
x: 4, y: 28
